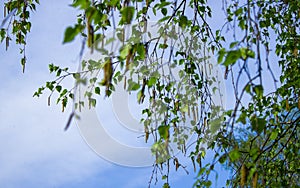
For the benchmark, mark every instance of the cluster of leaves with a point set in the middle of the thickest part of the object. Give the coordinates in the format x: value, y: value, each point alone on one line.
x: 16, y: 24
x: 262, y: 133
x: 257, y: 140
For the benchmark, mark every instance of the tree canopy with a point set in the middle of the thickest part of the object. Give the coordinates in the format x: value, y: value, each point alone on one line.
x: 256, y: 139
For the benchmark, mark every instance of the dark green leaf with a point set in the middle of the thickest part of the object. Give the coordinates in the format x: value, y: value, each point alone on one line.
x: 97, y: 90
x: 58, y: 88
x: 70, y: 34
x: 183, y: 21
x: 164, y: 11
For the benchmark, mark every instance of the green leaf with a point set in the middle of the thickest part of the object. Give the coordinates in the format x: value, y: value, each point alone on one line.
x: 164, y: 11
x: 232, y: 57
x: 49, y: 85
x: 58, y: 72
x: 234, y: 155
x: 166, y: 185
x: 242, y: 118
x: 248, y: 88
x: 233, y: 44
x: 39, y: 92
x: 58, y: 88
x: 208, y: 183
x: 2, y: 34
x: 124, y: 52
x: 274, y: 134
x: 243, y: 52
x: 70, y: 34
x: 254, y: 152
x: 183, y: 21
x: 76, y: 76
x: 163, y: 46
x: 259, y: 91
x: 258, y: 124
x: 222, y: 159
x: 63, y: 92
x: 141, y: 51
x: 82, y: 4
x: 238, y: 11
x: 127, y: 15
x: 97, y: 90
x: 221, y: 54
x: 113, y: 2
x: 164, y: 131
x: 92, y: 102
x: 133, y: 86
x: 250, y: 53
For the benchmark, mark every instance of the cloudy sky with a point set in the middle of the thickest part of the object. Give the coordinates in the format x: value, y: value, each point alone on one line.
x: 34, y: 149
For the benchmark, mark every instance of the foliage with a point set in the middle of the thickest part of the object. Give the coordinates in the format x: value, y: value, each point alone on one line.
x: 257, y: 139
x: 17, y: 15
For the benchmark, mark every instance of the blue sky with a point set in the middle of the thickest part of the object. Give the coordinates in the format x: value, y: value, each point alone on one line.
x: 34, y: 149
